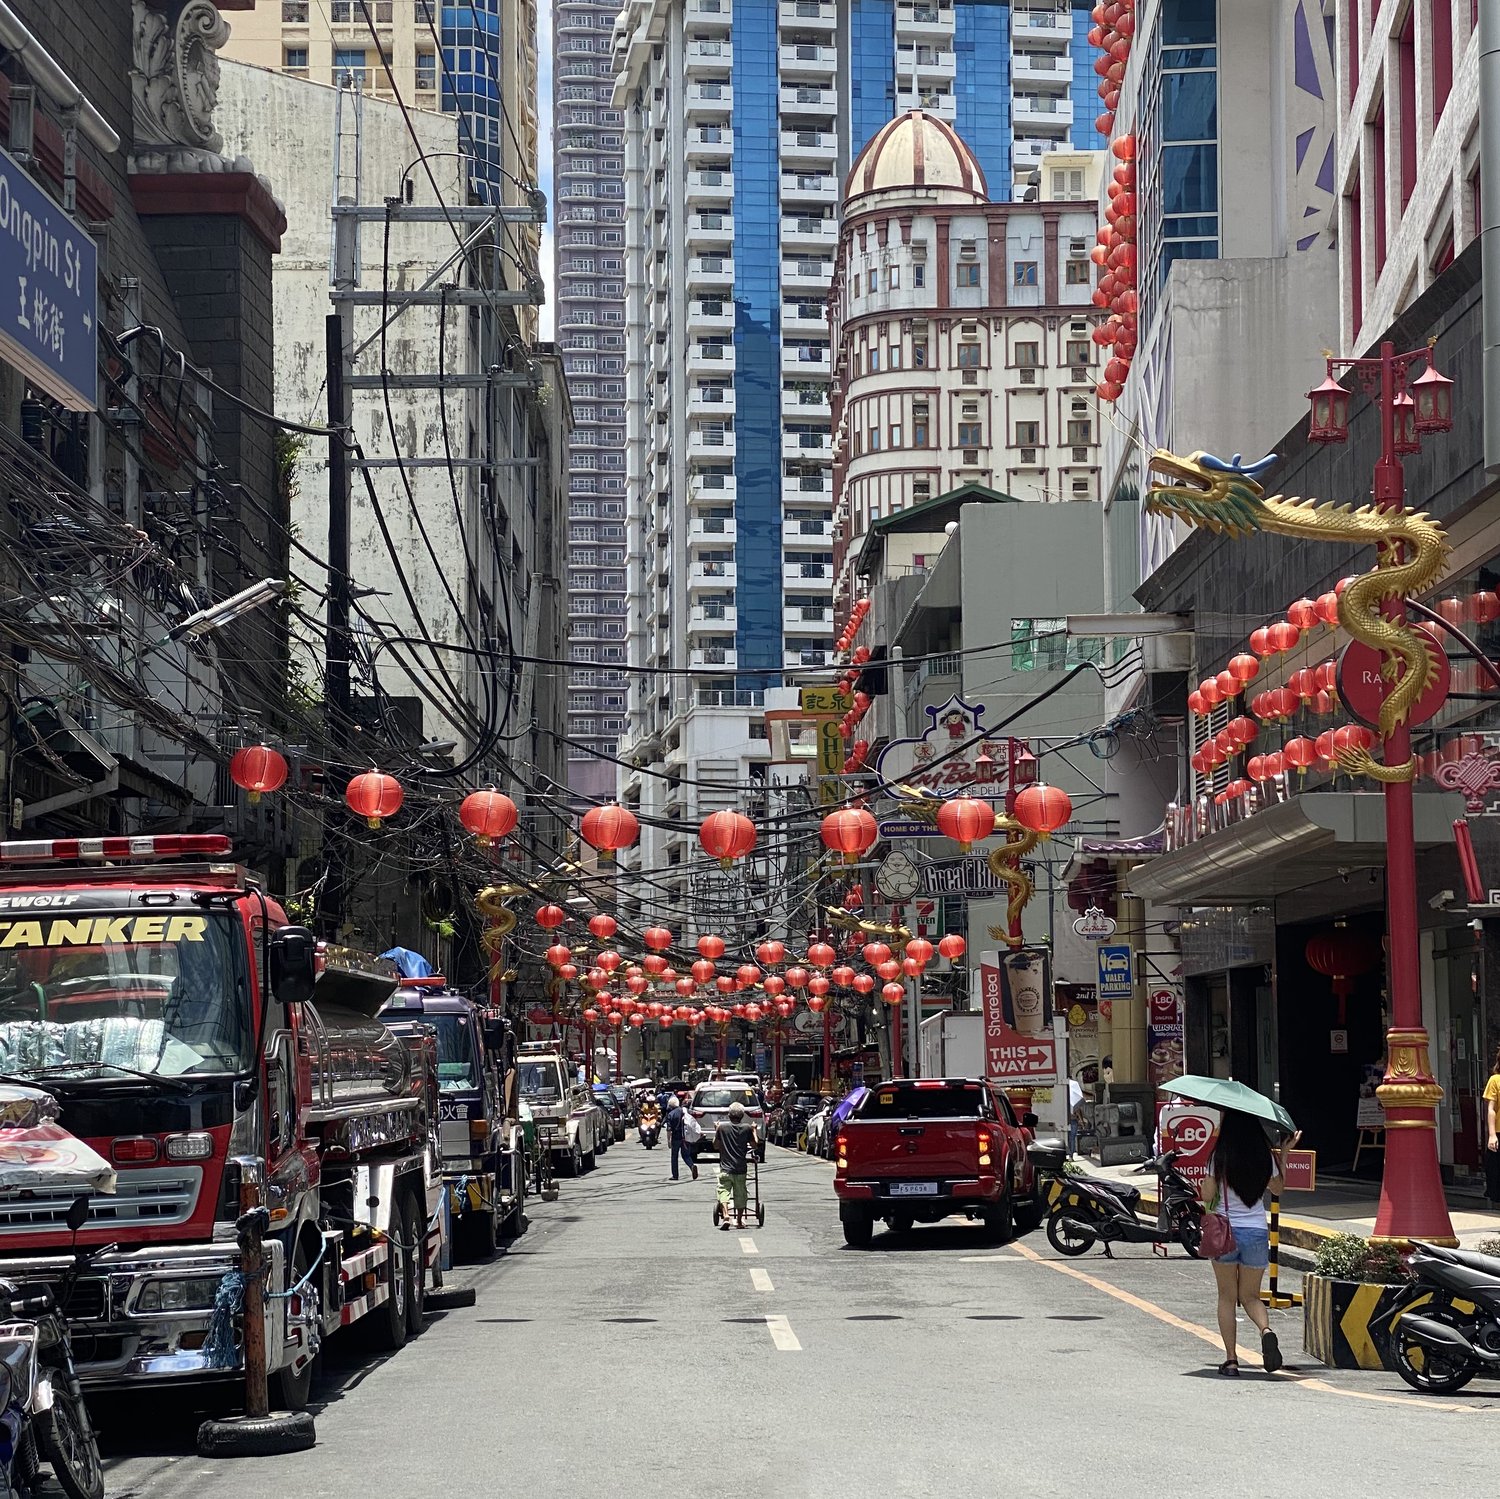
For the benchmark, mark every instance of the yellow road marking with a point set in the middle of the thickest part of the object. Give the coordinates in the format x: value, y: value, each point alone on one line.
x: 782, y: 1335
x: 761, y: 1281
x: 1171, y: 1319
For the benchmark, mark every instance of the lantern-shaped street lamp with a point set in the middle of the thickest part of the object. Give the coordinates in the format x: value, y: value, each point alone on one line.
x: 1330, y: 412
x: 1434, y: 398
x: 1404, y: 415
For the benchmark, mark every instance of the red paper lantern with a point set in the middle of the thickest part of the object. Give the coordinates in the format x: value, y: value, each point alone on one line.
x: 727, y: 836
x: 1210, y: 691
x: 774, y: 984
x: 711, y: 946
x: 1043, y: 809
x: 843, y: 976
x: 797, y: 977
x: 725, y: 985
x: 608, y: 960
x: 558, y: 954
x: 1229, y: 685
x: 1324, y: 746
x: 818, y: 984
x: 1283, y: 635
x: 657, y: 938
x: 1301, y: 752
x: 257, y: 769
x: 550, y: 917
x: 568, y: 972
x: 1275, y: 764
x: 374, y: 796
x: 893, y: 993
x: 703, y: 971
x: 820, y: 955
x: 1196, y: 704
x: 609, y: 828
x: 920, y: 950
x: 952, y: 947
x: 1484, y: 607
x: 851, y: 831
x: 1255, y: 768
x: 1353, y: 736
x: 488, y: 815
x: 875, y: 953
x: 890, y: 969
x: 911, y: 968
x: 771, y: 953
x: 1242, y: 730
x: 686, y: 988
x: 602, y: 926
x: 1260, y: 642
x: 816, y: 1003
x: 863, y: 983
x: 966, y: 819
x: 746, y: 975
x: 1327, y: 605
x: 1244, y: 668
x: 1342, y: 956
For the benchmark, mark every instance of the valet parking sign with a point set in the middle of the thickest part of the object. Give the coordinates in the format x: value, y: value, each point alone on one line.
x: 49, y: 292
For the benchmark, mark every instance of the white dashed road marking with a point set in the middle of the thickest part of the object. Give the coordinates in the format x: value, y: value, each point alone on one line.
x: 747, y: 1245
x: 760, y: 1280
x: 782, y: 1335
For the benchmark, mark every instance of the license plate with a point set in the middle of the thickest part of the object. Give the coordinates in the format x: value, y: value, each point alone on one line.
x: 914, y: 1189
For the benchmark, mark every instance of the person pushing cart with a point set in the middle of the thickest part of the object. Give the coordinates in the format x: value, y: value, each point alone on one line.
x: 734, y: 1139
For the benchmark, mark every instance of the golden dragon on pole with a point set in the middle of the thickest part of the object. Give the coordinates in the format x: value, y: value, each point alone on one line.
x: 1004, y: 862
x: 1411, y: 555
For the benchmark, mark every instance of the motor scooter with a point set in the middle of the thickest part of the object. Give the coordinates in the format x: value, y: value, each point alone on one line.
x: 1447, y: 1328
x: 1088, y: 1210
x: 649, y: 1130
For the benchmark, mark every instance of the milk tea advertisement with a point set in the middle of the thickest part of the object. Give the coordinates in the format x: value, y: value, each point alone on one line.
x: 1016, y: 991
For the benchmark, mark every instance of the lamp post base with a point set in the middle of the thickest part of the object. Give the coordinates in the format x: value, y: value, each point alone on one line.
x: 1412, y: 1203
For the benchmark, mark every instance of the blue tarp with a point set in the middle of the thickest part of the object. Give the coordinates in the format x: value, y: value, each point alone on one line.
x: 409, y: 964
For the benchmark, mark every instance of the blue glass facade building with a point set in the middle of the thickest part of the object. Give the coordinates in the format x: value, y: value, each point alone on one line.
x: 982, y: 87
x: 470, y: 85
x: 757, y: 338
x: 1087, y: 104
x: 872, y: 69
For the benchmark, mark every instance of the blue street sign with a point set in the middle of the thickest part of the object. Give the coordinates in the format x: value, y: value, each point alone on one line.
x: 49, y: 292
x: 1116, y: 977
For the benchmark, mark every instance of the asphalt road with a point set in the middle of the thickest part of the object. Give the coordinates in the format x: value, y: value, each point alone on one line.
x: 622, y: 1346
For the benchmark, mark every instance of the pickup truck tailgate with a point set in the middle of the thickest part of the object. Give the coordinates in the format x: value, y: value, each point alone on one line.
x: 893, y: 1149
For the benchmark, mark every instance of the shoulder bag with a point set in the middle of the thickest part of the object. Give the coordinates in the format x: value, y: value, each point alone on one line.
x: 1217, y: 1237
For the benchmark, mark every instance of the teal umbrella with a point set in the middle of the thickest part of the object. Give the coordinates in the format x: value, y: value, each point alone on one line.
x: 1225, y: 1093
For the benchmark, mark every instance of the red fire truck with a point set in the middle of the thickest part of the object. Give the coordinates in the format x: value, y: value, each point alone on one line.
x: 217, y: 1057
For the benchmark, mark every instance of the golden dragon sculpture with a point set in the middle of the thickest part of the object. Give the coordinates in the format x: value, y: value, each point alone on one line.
x: 1411, y: 555
x: 1004, y: 862
x: 847, y: 921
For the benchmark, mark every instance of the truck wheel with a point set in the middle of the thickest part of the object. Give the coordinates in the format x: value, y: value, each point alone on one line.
x: 416, y: 1300
x: 1000, y: 1221
x: 573, y: 1166
x: 590, y: 1159
x: 1029, y: 1214
x: 387, y: 1323
x: 288, y: 1391
x: 859, y: 1227
x: 256, y: 1436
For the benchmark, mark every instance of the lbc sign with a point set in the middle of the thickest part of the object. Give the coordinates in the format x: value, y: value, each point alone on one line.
x: 48, y: 292
x: 1116, y: 974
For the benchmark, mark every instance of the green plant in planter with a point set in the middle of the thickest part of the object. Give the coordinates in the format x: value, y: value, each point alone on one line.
x: 1350, y: 1257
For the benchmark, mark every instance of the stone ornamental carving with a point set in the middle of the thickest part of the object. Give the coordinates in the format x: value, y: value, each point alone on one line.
x: 174, y: 79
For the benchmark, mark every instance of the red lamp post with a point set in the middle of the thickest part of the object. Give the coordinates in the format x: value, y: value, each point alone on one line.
x: 1412, y: 1205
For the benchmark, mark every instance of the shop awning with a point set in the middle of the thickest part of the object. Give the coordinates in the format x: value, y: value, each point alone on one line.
x: 1288, y: 847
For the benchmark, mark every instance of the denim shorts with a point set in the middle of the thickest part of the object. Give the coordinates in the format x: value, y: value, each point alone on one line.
x: 1251, y: 1249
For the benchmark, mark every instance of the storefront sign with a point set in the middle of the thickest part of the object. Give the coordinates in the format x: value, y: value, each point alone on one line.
x: 971, y: 876
x: 1363, y: 689
x: 1164, y: 1034
x: 1116, y: 973
x: 943, y: 760
x: 1299, y: 1171
x: 1191, y: 1129
x: 823, y: 700
x: 1016, y: 995
x: 1094, y: 925
x: 49, y: 292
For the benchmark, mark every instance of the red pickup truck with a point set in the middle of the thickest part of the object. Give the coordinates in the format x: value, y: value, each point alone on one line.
x: 917, y: 1150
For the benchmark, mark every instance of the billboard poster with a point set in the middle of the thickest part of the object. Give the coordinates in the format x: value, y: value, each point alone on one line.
x: 1165, y: 1057
x: 1191, y: 1129
x: 1016, y: 996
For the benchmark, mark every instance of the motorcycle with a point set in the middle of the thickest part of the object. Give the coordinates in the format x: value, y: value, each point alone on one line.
x: 649, y: 1131
x: 45, y: 1418
x: 1088, y: 1210
x: 1447, y: 1328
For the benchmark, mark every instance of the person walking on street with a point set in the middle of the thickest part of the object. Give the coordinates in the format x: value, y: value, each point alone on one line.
x: 692, y: 1133
x: 675, y: 1116
x: 1077, y: 1118
x: 735, y: 1140
x: 1245, y: 1167
x: 1492, y: 1136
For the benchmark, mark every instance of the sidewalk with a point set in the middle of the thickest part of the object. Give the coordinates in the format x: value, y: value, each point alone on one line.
x: 1307, y: 1218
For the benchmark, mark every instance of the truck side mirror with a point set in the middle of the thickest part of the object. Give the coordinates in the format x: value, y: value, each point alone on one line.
x: 293, y: 971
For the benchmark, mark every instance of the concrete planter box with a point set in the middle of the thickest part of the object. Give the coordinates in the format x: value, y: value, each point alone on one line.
x: 1346, y: 1323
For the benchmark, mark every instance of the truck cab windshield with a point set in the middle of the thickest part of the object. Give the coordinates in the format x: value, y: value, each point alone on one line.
x: 161, y: 992
x: 540, y: 1081
x: 457, y: 1068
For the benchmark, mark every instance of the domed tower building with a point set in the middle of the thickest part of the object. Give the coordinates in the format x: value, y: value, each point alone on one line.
x: 960, y: 331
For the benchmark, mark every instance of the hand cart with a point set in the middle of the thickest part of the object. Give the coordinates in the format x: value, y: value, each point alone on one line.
x: 752, y: 1169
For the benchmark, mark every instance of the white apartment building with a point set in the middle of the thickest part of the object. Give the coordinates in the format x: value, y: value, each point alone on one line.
x: 1408, y: 153
x: 961, y: 334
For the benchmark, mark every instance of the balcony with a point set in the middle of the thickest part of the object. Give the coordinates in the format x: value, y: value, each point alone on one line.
x: 709, y: 272
x: 715, y: 576
x: 807, y: 15
x: 813, y: 148
x: 806, y: 188
x: 715, y: 56
x: 807, y: 489
x: 711, y: 401
x: 1029, y: 150
x: 812, y: 656
x: 711, y: 359
x: 1046, y: 69
x: 708, y: 98
x: 804, y: 318
x: 924, y: 22
x: 708, y: 140
x: 806, y: 575
x: 810, y: 101
x: 713, y: 489
x: 807, y: 619
x: 709, y: 187
x: 806, y: 447
x: 1042, y: 110
x: 944, y: 106
x: 926, y: 64
x: 713, y: 617
x: 710, y: 13
x: 805, y: 405
x: 808, y: 233
x: 812, y: 535
x: 803, y: 362
x: 710, y: 317
x: 714, y: 655
x: 710, y: 446
x: 714, y: 531
x: 710, y: 230
x: 805, y: 60
x: 1038, y: 25
x: 801, y: 277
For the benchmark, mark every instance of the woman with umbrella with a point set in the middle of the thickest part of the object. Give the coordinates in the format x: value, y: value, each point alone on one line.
x: 1245, y: 1167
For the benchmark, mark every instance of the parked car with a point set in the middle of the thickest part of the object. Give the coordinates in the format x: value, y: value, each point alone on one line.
x: 816, y: 1130
x: 605, y: 1099
x: 918, y: 1150
x: 787, y: 1122
x: 710, y: 1105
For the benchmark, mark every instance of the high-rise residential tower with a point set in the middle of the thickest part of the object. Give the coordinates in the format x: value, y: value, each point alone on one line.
x: 742, y: 118
x: 588, y: 144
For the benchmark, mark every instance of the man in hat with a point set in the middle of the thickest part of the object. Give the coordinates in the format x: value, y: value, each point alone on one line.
x: 734, y: 1140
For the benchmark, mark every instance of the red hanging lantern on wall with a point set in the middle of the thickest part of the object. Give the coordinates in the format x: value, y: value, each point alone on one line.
x: 257, y: 769
x: 851, y: 831
x: 966, y: 819
x: 488, y: 815
x: 1342, y: 956
x: 609, y: 828
x: 727, y: 836
x: 374, y: 796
